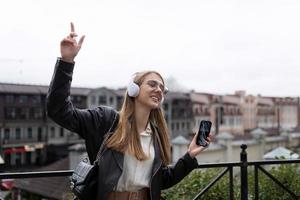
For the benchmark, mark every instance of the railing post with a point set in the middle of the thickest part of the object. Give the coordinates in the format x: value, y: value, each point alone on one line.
x: 244, y: 173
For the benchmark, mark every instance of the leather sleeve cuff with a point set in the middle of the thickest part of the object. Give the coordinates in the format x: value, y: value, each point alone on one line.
x: 192, y: 162
x: 65, y: 66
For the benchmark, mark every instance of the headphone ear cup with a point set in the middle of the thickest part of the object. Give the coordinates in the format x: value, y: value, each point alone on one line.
x: 162, y: 101
x: 133, y: 89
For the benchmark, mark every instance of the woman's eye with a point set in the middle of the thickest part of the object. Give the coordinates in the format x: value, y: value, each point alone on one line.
x: 152, y: 84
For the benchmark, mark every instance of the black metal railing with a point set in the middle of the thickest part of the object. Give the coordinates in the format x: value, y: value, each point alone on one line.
x: 244, y: 164
x: 41, y: 174
x: 258, y: 166
x: 228, y: 168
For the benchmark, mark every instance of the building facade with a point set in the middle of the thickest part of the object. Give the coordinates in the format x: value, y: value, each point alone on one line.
x: 29, y: 137
x: 25, y: 131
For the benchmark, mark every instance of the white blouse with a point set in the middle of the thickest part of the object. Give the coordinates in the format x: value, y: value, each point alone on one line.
x: 136, y: 174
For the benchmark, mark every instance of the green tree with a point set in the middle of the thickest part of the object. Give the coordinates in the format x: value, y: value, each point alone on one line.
x: 190, y: 186
x: 287, y: 174
x: 197, y: 180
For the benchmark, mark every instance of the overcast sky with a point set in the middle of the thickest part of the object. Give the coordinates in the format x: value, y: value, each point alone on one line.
x: 211, y: 46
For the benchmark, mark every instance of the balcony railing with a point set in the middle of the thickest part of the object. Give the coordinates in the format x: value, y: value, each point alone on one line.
x: 244, y: 165
x: 228, y: 168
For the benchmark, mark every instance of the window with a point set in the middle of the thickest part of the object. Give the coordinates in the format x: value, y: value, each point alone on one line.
x: 166, y: 107
x: 102, y: 99
x: 177, y: 125
x: 38, y: 113
x: 111, y: 100
x: 18, y: 159
x: 23, y: 99
x: 61, y: 132
x: 10, y: 113
x: 40, y: 131
x: 18, y: 133
x: 188, y: 125
x: 6, y: 134
x: 9, y: 98
x: 93, y: 100
x: 28, y: 158
x: 7, y: 158
x: 52, y: 132
x: 182, y: 125
x: 31, y: 113
x: 231, y: 121
x: 265, y: 119
x: 167, y: 118
x: 76, y: 99
x: 29, y: 132
x: 24, y: 113
x: 36, y: 99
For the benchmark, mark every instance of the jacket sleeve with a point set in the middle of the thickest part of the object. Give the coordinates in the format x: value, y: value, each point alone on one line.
x: 173, y: 174
x: 90, y: 124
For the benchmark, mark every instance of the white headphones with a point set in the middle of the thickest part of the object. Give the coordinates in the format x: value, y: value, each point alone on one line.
x: 133, y: 89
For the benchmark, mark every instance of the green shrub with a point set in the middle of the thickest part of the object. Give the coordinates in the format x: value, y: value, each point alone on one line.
x: 287, y: 174
x: 197, y: 180
x: 190, y: 186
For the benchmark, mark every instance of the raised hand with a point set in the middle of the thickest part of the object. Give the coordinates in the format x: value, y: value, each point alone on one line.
x: 69, y: 47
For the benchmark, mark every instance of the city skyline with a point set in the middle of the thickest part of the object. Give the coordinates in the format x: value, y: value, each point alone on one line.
x: 209, y: 46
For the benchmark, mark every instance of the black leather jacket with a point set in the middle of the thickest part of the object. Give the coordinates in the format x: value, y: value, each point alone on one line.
x: 93, y: 124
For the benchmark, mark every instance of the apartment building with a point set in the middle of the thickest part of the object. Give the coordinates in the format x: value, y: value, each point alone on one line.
x: 266, y: 114
x: 271, y: 113
x: 287, y: 112
x: 105, y: 96
x: 201, y: 106
x: 231, y: 115
x: 249, y: 109
x: 28, y: 137
x: 224, y: 111
x: 179, y: 113
x: 25, y: 131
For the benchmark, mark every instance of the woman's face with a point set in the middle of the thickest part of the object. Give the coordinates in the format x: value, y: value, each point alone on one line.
x: 151, y: 91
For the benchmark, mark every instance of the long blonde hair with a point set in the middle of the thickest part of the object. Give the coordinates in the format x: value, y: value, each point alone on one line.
x: 126, y: 136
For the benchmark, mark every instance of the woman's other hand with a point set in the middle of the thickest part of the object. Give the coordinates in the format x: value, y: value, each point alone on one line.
x: 195, y: 149
x: 69, y: 47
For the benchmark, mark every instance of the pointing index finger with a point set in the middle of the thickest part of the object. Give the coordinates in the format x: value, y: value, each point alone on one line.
x: 72, y: 27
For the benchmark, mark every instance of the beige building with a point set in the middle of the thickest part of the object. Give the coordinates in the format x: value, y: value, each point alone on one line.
x: 201, y: 106
x: 287, y: 112
x: 249, y: 112
x: 231, y: 115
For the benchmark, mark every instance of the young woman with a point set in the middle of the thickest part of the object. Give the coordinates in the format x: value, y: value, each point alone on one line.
x: 135, y: 162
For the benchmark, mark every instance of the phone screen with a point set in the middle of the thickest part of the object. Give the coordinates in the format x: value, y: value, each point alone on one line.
x: 203, y: 132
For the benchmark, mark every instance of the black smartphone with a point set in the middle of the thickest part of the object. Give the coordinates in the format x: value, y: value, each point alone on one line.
x: 203, y: 132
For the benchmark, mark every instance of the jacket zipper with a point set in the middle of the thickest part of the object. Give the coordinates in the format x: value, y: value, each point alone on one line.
x: 151, y: 180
